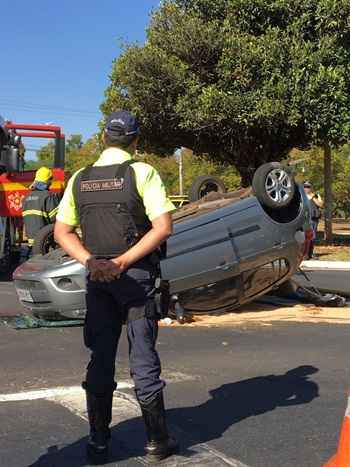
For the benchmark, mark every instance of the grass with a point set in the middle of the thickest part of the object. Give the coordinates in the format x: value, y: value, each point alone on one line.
x: 333, y: 253
x: 340, y: 249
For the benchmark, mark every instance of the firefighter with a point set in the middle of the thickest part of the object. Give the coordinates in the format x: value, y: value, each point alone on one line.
x: 124, y: 216
x: 40, y: 206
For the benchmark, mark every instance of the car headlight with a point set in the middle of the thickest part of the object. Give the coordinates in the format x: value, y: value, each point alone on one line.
x: 66, y: 284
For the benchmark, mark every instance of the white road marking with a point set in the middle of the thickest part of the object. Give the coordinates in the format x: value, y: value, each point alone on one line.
x: 125, y: 407
x: 170, y: 377
x: 50, y: 393
x: 347, y: 412
x: 307, y: 265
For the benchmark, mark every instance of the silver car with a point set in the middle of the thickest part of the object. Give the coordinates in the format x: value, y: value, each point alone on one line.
x: 226, y: 250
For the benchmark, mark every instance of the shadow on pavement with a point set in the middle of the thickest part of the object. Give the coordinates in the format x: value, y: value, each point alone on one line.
x: 228, y: 404
x: 234, y: 402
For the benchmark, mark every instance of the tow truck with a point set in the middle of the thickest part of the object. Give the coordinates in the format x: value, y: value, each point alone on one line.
x: 15, y: 180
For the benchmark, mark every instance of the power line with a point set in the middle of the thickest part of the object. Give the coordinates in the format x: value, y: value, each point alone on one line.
x: 46, y: 112
x: 33, y: 149
x: 36, y: 106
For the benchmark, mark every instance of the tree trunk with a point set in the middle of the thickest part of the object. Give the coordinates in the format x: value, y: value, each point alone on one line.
x: 328, y: 196
x: 246, y: 176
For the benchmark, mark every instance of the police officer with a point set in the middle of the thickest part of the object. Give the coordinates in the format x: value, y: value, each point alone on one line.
x: 124, y: 215
x: 40, y: 206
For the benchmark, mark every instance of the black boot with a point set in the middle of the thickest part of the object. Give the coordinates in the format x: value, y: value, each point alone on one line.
x: 160, y: 445
x: 99, y: 410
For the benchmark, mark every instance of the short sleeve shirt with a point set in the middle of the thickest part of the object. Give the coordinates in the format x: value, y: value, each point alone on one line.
x: 148, y: 183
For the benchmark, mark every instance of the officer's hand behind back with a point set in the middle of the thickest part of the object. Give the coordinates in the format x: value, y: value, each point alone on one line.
x: 103, y: 270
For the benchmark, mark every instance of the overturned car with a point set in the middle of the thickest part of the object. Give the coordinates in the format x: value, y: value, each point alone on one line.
x: 226, y: 250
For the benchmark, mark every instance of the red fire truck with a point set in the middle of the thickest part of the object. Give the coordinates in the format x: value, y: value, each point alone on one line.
x: 15, y: 180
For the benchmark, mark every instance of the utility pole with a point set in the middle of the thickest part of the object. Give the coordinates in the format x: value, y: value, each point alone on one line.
x: 179, y: 158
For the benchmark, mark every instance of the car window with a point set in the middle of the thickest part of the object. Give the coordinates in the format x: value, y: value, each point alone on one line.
x: 256, y: 280
x: 215, y: 296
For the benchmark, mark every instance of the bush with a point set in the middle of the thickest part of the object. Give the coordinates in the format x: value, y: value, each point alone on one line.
x: 193, y: 167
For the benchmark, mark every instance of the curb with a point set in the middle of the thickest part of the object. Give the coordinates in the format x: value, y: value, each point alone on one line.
x: 325, y: 265
x: 326, y: 276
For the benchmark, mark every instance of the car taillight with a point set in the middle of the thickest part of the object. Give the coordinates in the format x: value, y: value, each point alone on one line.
x: 309, y: 236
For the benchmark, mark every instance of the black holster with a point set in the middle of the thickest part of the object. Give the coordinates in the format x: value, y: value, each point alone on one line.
x: 159, y: 307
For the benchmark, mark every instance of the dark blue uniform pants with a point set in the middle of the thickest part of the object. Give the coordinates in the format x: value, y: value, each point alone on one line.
x: 129, y: 298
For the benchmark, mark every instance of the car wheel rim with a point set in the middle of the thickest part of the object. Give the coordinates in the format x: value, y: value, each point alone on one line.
x: 278, y: 186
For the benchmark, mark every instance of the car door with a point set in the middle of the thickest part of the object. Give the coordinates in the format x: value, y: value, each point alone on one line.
x: 256, y: 238
x: 200, y: 252
x: 260, y: 248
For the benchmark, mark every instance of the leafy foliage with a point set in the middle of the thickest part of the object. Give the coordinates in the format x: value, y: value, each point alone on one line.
x: 31, y: 164
x: 193, y: 168
x: 312, y: 170
x: 244, y: 82
x: 77, y: 154
x: 80, y: 155
x: 46, y: 155
x: 83, y: 155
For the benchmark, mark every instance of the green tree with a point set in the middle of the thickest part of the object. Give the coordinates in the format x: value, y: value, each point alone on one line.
x: 46, y: 154
x: 242, y: 81
x: 79, y: 155
x: 30, y: 164
x: 311, y: 169
x: 193, y: 167
x: 74, y: 143
x: 86, y: 154
x: 73, y: 147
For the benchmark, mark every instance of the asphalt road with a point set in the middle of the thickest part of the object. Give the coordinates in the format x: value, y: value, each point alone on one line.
x: 257, y: 395
x: 9, y: 305
x: 327, y: 280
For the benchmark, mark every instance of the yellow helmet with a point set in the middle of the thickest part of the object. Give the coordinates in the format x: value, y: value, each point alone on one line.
x: 44, y: 174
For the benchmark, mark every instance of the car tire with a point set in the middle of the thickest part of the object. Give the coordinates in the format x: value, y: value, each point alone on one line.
x: 273, y: 185
x: 203, y: 185
x: 44, y: 241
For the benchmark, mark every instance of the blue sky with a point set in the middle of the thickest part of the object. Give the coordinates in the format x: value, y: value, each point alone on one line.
x: 56, y: 58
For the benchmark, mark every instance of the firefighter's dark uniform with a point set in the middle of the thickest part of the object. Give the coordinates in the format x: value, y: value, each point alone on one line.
x: 114, y: 202
x: 39, y: 208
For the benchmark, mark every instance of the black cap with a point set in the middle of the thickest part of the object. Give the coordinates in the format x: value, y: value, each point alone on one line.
x: 307, y: 184
x: 122, y: 123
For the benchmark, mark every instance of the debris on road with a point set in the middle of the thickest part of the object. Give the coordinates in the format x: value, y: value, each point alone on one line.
x: 254, y: 313
x: 167, y: 321
x: 308, y: 294
x: 305, y: 296
x: 30, y: 322
x: 266, y: 314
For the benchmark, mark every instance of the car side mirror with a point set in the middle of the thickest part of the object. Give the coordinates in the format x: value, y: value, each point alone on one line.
x: 10, y: 160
